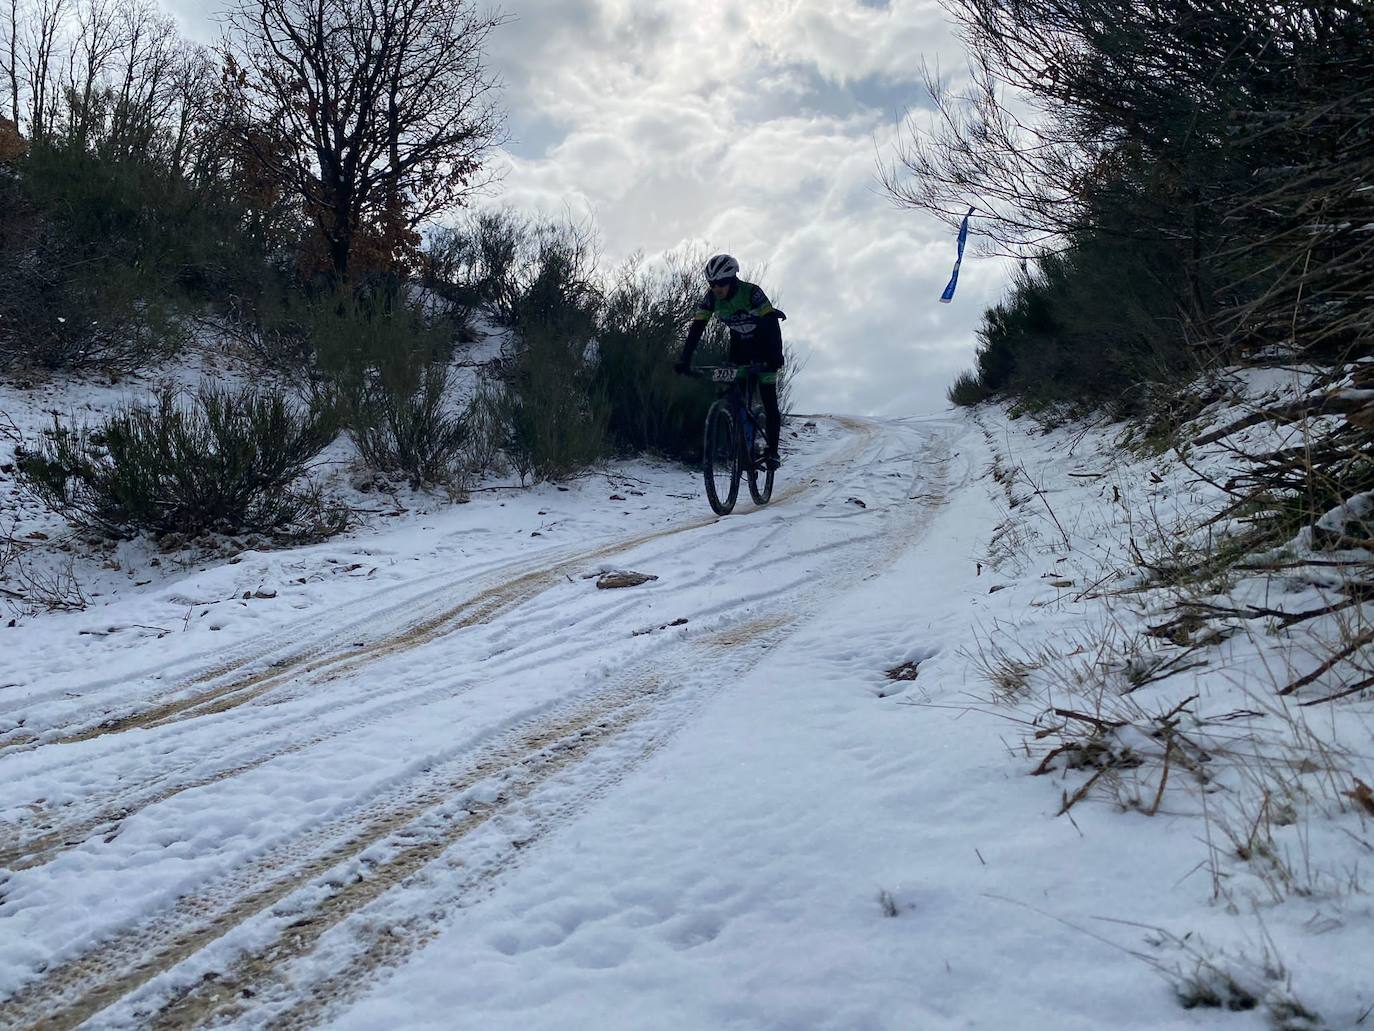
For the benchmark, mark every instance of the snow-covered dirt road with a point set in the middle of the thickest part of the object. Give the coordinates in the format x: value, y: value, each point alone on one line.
x: 429, y: 775
x: 267, y: 829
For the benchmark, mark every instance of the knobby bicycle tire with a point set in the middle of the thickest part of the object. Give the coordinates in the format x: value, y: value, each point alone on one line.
x: 760, y: 478
x: 720, y: 455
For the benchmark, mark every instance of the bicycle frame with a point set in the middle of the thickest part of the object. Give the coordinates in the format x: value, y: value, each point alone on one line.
x: 742, y: 400
x: 734, y: 405
x: 739, y: 393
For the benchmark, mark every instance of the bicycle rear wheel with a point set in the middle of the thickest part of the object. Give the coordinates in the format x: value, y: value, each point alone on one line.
x: 760, y: 477
x: 720, y: 459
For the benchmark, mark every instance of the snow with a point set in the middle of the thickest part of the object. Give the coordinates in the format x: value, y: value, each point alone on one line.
x: 737, y: 883
x: 427, y: 775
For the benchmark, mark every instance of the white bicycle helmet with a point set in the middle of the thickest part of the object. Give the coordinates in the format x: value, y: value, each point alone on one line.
x: 722, y: 266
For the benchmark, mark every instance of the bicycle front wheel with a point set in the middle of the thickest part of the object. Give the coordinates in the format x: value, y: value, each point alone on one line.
x: 760, y: 477
x: 720, y: 459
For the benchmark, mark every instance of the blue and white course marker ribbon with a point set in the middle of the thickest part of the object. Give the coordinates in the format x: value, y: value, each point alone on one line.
x: 948, y: 295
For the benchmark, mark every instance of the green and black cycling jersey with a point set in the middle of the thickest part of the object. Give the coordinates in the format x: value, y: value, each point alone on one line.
x: 751, y: 319
x: 742, y: 311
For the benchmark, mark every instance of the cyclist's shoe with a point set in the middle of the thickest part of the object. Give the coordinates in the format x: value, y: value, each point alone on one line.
x: 771, y: 459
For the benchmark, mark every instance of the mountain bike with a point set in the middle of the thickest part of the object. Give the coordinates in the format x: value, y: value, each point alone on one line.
x: 735, y: 440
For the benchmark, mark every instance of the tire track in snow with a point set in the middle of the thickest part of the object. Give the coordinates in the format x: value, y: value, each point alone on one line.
x: 534, y: 751
x: 75, y: 991
x: 84, y: 986
x: 386, y: 943
x: 266, y: 971
x: 383, y: 943
x: 25, y: 853
x: 317, y: 660
x: 22, y: 852
x: 311, y: 660
x: 134, y: 796
x: 111, y: 810
x: 281, y: 650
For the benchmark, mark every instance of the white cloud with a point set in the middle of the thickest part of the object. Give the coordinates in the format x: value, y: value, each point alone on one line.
x: 751, y: 127
x: 852, y: 41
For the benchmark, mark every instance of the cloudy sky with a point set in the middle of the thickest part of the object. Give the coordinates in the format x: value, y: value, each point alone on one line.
x: 754, y: 128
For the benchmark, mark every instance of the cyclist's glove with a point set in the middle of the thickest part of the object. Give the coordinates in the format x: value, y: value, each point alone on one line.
x: 682, y: 368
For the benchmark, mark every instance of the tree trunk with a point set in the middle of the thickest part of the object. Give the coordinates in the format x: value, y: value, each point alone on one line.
x: 340, y: 243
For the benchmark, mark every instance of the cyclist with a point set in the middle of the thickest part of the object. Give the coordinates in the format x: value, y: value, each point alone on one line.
x: 755, y: 336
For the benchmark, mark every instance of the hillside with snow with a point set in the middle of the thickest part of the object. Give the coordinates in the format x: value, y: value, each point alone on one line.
x: 917, y: 745
x: 371, y: 656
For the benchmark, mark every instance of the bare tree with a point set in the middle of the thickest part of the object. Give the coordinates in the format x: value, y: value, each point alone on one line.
x: 39, y: 58
x: 1089, y: 116
x: 195, y: 149
x: 98, y: 72
x: 143, y: 98
x: 376, y: 113
x: 1016, y: 166
x: 9, y: 59
x: 89, y: 58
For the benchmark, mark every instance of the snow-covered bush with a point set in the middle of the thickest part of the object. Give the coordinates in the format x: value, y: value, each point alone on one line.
x: 225, y: 461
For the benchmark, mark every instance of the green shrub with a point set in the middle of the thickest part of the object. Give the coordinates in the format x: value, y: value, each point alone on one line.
x: 70, y: 299
x: 222, y: 461
x: 1094, y: 326
x: 272, y: 324
x: 487, y: 433
x: 384, y: 363
x: 553, y: 417
x: 967, y: 390
x: 553, y: 422
x: 648, y: 406
x: 480, y: 263
x: 411, y: 432
x: 105, y: 247
x: 358, y: 336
